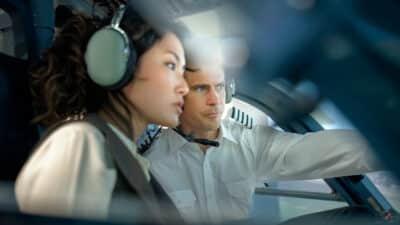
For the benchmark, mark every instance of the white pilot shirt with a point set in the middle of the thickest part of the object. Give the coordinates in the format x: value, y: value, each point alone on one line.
x: 218, y: 186
x: 71, y: 174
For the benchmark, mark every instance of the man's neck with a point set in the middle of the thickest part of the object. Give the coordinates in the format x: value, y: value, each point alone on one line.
x: 209, y: 135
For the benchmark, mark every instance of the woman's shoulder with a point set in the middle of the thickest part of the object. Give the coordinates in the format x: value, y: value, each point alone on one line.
x: 67, y: 147
x: 78, y: 129
x: 73, y: 151
x: 71, y: 139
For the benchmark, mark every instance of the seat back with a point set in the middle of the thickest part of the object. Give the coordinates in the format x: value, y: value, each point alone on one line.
x: 17, y: 134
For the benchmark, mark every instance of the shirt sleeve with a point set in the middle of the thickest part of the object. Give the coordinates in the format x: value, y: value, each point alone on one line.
x: 68, y: 175
x: 323, y: 154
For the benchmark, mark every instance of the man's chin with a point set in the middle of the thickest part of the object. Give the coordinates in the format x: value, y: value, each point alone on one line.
x: 214, y: 124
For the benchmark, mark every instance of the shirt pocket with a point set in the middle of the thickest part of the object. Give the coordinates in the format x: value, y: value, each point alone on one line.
x: 240, y: 192
x: 185, y: 201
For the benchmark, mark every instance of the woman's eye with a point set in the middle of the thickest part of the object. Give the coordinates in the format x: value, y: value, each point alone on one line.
x: 171, y: 66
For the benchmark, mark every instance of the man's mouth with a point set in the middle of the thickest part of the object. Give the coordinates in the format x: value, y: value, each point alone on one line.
x: 213, y: 114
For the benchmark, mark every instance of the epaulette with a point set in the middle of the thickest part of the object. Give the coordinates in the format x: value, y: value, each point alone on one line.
x: 151, y: 133
x: 241, y: 117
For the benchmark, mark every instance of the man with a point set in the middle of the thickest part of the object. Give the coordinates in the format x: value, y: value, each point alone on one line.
x: 215, y: 184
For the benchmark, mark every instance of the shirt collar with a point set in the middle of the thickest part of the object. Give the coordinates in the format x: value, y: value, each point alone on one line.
x: 176, y: 141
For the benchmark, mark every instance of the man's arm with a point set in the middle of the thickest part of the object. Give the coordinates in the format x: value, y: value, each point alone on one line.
x: 330, y: 153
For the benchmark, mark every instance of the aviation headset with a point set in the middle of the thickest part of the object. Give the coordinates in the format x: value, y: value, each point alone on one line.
x: 110, y: 55
x: 229, y: 89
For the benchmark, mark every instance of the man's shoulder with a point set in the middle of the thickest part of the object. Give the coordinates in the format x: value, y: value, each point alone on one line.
x: 231, y: 124
x: 239, y: 131
x: 233, y: 130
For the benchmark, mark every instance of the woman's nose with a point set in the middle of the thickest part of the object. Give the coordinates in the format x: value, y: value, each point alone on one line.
x: 183, y: 87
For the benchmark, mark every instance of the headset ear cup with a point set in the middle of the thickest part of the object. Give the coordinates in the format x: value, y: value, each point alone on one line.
x: 229, y: 90
x: 228, y: 94
x: 109, y: 57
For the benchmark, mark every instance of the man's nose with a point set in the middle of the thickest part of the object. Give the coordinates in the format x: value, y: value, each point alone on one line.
x: 213, y: 97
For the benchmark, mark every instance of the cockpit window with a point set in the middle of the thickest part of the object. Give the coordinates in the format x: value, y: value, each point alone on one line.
x: 6, y: 34
x: 388, y: 185
x: 12, y: 38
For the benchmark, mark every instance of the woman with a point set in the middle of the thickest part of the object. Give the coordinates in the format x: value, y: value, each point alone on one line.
x: 71, y: 173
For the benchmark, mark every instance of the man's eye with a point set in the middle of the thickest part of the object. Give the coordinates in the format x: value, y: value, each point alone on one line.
x: 200, y: 89
x: 171, y: 66
x: 220, y: 87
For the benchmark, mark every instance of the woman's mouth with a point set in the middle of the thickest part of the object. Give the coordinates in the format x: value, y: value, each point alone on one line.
x: 179, y: 107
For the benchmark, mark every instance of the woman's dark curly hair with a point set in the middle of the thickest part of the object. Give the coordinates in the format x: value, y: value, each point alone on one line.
x: 60, y: 84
